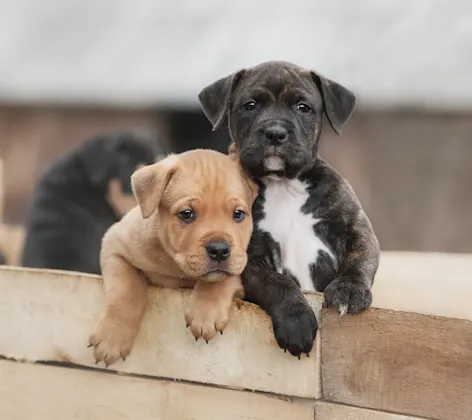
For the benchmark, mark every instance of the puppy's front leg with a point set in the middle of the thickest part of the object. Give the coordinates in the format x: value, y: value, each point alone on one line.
x: 126, y: 297
x: 293, y: 319
x: 350, y: 291
x: 209, y: 306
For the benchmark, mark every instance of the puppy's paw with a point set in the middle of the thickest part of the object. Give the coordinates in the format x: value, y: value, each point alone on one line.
x: 112, y: 339
x: 348, y: 296
x: 295, y: 327
x: 205, y: 318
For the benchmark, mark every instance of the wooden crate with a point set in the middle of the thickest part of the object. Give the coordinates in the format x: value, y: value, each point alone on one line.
x: 385, y: 364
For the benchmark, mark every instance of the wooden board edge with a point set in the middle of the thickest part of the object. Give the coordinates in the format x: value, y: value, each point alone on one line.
x: 369, y: 358
x: 56, y: 393
x: 245, y: 357
x: 325, y: 410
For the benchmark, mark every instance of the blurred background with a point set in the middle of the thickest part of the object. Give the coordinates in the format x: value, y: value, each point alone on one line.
x: 72, y: 69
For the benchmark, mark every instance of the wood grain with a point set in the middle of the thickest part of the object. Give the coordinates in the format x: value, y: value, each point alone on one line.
x: 48, y: 315
x: 329, y: 411
x: 415, y: 282
x: 399, y: 361
x: 56, y: 393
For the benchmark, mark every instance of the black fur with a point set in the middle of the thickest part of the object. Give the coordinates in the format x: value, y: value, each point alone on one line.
x: 278, y: 89
x: 70, y: 213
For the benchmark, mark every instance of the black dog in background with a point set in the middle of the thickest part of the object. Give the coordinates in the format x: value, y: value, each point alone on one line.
x: 79, y: 197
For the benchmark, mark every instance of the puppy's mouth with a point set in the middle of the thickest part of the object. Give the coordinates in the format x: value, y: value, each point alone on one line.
x: 198, y: 265
x: 217, y: 269
x: 273, y: 163
x: 273, y: 166
x: 216, y: 274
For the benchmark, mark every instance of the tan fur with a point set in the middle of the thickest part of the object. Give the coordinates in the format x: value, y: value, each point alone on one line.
x: 12, y: 239
x: 119, y: 201
x: 151, y: 243
x: 233, y: 151
x: 202, y: 315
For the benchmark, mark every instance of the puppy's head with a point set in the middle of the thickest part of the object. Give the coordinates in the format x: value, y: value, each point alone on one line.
x: 275, y: 113
x: 110, y: 160
x: 202, y: 202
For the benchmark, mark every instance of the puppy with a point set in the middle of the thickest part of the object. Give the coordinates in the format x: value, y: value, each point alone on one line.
x: 310, y: 232
x: 79, y: 197
x: 191, y: 229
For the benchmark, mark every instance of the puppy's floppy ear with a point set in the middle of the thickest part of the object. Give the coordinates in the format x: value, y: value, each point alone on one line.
x: 233, y: 152
x: 215, y: 99
x: 149, y: 183
x: 339, y: 102
x: 253, y: 188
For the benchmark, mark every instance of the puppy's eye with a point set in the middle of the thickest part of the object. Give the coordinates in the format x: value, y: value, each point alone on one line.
x: 238, y: 216
x: 250, y: 106
x: 187, y: 215
x: 304, y: 108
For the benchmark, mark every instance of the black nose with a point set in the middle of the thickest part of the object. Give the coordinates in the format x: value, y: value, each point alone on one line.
x: 218, y: 251
x: 275, y: 134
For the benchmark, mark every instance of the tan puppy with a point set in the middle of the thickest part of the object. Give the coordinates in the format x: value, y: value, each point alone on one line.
x: 191, y: 228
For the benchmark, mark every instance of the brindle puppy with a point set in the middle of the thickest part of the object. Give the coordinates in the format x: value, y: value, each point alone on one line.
x: 310, y: 231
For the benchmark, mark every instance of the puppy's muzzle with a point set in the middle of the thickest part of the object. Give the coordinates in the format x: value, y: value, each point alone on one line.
x: 275, y: 133
x: 218, y: 253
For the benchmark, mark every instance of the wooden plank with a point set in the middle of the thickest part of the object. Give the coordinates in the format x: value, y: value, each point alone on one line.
x: 399, y: 361
x: 415, y: 282
x: 56, y: 393
x: 48, y: 315
x: 329, y: 411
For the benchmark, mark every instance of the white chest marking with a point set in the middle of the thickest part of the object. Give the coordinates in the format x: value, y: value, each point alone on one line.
x: 292, y: 229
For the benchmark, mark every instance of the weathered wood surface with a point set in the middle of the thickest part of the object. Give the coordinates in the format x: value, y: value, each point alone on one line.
x: 429, y: 283
x: 48, y: 315
x: 368, y: 359
x: 330, y: 411
x: 41, y: 392
x: 400, y: 362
